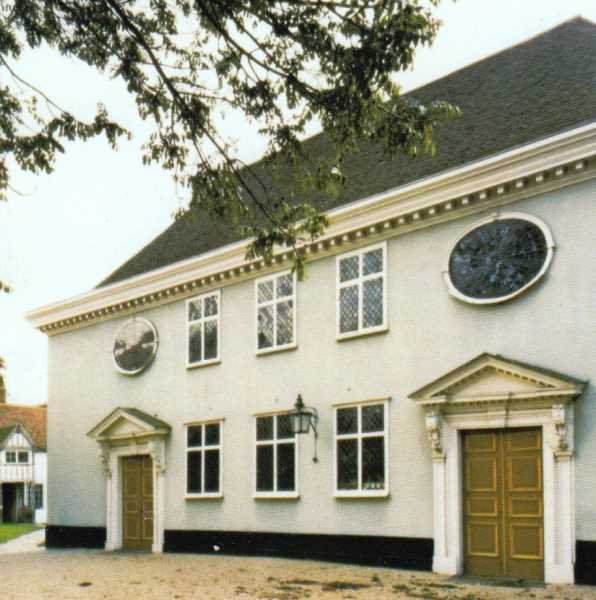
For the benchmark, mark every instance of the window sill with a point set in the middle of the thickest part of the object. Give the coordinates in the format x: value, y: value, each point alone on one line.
x: 276, y: 496
x: 359, y: 494
x: 362, y: 333
x: 285, y: 348
x: 203, y: 496
x: 206, y: 363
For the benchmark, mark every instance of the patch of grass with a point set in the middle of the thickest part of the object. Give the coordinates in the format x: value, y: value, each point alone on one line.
x: 10, y: 531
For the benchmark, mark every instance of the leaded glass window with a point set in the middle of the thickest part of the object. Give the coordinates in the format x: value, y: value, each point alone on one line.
x: 203, y: 459
x: 203, y: 329
x: 361, y: 449
x: 499, y: 258
x: 275, y: 456
x: 361, y: 283
x: 276, y: 312
x: 38, y: 496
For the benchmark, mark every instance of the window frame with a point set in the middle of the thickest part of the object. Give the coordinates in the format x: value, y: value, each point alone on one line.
x: 359, y: 281
x: 294, y: 298
x: 203, y: 320
x: 359, y: 435
x: 187, y: 450
x: 10, y: 462
x: 19, y: 454
x: 275, y: 495
x: 38, y: 494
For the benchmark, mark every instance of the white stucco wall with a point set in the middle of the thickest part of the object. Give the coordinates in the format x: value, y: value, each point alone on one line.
x: 552, y: 326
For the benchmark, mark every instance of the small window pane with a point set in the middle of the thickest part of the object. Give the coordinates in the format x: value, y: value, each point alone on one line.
x: 372, y: 303
x: 347, y: 465
x: 212, y: 471
x: 194, y: 436
x: 286, y: 468
x: 11, y: 457
x: 285, y: 323
x: 193, y: 476
x: 373, y: 418
x: 265, y: 428
x: 372, y: 262
x: 349, y: 268
x: 266, y: 327
x: 210, y: 339
x: 284, y: 427
x: 373, y: 463
x: 23, y: 457
x: 212, y: 434
x: 348, y: 309
x: 194, y: 343
x: 265, y: 291
x: 285, y: 285
x: 194, y: 310
x: 265, y: 468
x: 38, y: 496
x: 210, y: 306
x: 347, y: 420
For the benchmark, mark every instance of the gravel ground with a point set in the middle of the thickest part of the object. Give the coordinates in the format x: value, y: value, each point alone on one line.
x: 94, y: 575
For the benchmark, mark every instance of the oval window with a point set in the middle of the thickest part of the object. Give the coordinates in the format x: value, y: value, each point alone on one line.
x: 499, y: 258
x: 135, y: 346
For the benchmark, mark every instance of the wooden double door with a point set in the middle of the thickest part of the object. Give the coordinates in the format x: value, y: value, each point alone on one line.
x: 137, y: 498
x: 503, y: 503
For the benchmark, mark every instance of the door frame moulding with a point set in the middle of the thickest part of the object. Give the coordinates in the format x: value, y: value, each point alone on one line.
x: 144, y: 439
x: 449, y: 411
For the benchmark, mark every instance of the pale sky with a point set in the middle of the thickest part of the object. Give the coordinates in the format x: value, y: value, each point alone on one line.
x: 99, y: 207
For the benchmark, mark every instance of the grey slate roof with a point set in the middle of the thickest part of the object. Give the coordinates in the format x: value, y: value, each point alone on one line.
x: 527, y: 92
x: 146, y: 418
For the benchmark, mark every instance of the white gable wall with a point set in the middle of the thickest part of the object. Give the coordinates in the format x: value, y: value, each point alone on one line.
x: 429, y: 334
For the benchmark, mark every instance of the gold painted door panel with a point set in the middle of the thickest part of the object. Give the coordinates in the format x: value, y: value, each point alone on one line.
x: 137, y: 499
x: 503, y: 503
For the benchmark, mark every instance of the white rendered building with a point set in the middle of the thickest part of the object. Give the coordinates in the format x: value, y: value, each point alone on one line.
x: 442, y: 343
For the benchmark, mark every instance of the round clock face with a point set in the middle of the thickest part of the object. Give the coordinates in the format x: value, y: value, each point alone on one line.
x: 498, y: 259
x: 135, y: 346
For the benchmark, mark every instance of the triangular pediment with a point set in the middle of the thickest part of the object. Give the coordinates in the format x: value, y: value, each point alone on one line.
x: 491, y: 376
x: 126, y: 423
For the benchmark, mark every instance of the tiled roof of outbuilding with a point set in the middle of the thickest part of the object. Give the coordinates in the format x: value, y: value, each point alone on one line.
x: 33, y: 418
x: 5, y: 433
x: 524, y: 93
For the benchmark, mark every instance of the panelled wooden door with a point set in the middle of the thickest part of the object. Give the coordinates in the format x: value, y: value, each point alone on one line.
x: 137, y: 498
x: 503, y: 503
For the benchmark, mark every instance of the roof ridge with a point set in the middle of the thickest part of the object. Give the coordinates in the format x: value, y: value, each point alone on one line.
x: 483, y: 91
x: 573, y: 20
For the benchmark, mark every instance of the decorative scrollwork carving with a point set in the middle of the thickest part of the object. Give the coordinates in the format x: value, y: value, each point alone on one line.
x: 156, y: 452
x: 103, y: 453
x: 433, y: 427
x: 560, y: 424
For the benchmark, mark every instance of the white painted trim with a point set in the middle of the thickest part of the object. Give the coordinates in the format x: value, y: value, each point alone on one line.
x: 559, y: 534
x: 202, y: 449
x: 114, y: 476
x: 153, y: 352
x: 202, y: 320
x: 274, y: 442
x: 274, y: 303
x: 573, y: 145
x: 359, y: 283
x: 550, y: 245
x: 359, y: 436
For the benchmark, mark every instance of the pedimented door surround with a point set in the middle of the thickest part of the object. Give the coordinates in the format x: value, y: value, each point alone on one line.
x: 492, y: 392
x: 131, y: 432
